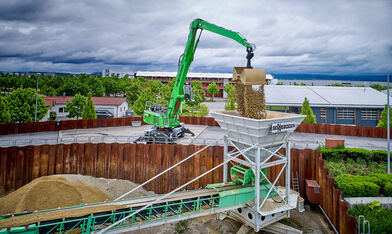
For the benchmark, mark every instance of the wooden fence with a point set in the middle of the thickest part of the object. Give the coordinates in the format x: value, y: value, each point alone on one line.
x: 13, y: 128
x: 138, y: 162
x: 346, y: 130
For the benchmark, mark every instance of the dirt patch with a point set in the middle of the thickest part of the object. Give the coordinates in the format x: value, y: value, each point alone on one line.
x: 309, y: 221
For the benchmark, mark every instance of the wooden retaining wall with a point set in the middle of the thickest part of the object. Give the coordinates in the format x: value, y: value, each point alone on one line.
x: 13, y: 128
x: 346, y: 130
x: 138, y: 163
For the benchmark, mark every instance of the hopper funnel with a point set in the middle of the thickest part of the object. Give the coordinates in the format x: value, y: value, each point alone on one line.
x: 268, y: 133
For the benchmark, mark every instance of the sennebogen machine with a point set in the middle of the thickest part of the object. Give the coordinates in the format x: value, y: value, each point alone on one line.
x: 164, y: 116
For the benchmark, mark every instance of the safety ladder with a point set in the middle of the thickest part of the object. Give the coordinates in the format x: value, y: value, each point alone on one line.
x: 295, y: 182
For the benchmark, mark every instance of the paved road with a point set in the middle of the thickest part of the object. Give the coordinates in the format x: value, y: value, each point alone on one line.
x: 203, y: 135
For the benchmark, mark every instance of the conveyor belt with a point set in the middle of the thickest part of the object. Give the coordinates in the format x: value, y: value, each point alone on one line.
x: 98, y: 216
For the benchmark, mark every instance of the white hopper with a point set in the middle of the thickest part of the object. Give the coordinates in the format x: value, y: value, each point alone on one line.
x: 269, y: 133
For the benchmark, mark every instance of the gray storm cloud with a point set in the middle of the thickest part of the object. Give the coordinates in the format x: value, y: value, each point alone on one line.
x: 322, y: 37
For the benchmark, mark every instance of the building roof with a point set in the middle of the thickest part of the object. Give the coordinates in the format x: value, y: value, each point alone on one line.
x: 191, y: 75
x: 324, y: 96
x: 385, y: 91
x: 111, y: 101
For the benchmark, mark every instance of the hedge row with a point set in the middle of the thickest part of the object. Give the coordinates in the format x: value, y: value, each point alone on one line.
x: 365, y: 186
x: 354, y: 153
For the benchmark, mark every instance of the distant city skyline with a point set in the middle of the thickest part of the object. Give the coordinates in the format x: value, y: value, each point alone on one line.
x: 351, y: 37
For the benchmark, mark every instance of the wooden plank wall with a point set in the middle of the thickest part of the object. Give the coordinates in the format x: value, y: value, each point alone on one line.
x: 345, y: 130
x: 13, y: 128
x: 139, y: 162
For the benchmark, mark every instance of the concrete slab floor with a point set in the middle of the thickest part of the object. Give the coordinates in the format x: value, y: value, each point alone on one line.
x: 203, y: 135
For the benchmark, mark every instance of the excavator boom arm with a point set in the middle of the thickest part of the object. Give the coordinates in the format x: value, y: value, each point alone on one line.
x: 172, y: 115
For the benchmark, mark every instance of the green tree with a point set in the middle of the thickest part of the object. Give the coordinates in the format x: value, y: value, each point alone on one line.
x: 95, y: 86
x: 197, y: 96
x: 132, y: 92
x: 75, y: 107
x: 306, y: 110
x: 230, y: 104
x: 198, y: 92
x: 384, y: 117
x: 140, y: 104
x: 52, y: 116
x: 167, y: 90
x: 21, y: 105
x: 89, y: 108
x: 5, y: 116
x: 134, y: 87
x: 212, y: 89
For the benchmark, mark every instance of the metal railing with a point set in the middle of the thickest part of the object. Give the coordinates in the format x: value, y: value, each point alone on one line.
x: 126, y: 139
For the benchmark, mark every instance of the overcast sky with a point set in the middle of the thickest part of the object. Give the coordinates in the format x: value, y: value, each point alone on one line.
x: 320, y: 37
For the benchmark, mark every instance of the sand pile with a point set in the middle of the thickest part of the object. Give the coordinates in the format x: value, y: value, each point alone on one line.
x: 250, y: 100
x: 112, y: 187
x: 49, y: 192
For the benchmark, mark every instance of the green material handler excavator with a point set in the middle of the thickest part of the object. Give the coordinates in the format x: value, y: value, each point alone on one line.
x: 164, y: 116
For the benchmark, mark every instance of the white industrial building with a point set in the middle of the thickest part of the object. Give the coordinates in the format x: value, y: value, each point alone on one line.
x: 359, y: 106
x: 116, y: 105
x: 109, y: 73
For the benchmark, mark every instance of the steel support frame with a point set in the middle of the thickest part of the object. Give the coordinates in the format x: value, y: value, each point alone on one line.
x: 258, y: 165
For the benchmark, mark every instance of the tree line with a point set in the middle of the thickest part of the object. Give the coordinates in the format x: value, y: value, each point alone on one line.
x: 67, y: 85
x: 19, y: 93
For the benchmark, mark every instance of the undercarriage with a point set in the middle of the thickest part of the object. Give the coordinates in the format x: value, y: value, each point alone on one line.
x: 163, y: 135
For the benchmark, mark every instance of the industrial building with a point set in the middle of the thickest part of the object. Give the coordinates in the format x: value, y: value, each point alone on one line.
x: 220, y: 79
x: 359, y: 106
x: 109, y: 73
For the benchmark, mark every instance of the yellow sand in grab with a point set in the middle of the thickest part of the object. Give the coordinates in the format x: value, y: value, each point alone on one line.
x: 249, y: 92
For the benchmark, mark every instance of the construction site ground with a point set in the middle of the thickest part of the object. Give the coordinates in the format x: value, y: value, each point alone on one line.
x: 308, y: 221
x: 203, y: 135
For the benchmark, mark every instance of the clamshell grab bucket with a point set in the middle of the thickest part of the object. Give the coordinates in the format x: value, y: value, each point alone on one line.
x: 249, y: 76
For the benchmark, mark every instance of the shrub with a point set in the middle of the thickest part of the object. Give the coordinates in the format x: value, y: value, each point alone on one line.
x: 380, y: 219
x: 52, y: 116
x: 381, y: 179
x: 388, y: 189
x: 358, y: 186
x: 182, y: 226
x: 203, y: 111
x: 353, y: 153
x: 379, y: 155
